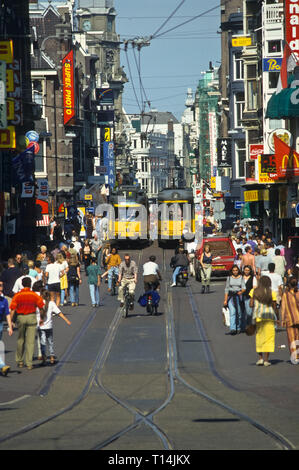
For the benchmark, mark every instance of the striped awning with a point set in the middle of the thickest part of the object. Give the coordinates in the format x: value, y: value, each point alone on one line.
x: 45, y: 222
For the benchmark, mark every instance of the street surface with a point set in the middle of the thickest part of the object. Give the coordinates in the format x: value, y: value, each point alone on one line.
x: 173, y: 381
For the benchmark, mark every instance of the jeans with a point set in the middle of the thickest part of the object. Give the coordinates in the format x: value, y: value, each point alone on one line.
x: 94, y: 294
x: 46, y: 336
x: 236, y: 314
x: 112, y: 270
x: 2, y: 353
x: 247, y: 311
x: 175, y: 273
x: 74, y: 293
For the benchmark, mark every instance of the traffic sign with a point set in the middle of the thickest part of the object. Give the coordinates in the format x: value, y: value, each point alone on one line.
x: 239, y: 204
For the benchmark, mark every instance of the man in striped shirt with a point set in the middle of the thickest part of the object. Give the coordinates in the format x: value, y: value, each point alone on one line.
x: 24, y: 304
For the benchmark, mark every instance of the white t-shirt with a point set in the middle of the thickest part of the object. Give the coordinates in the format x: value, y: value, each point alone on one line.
x: 150, y: 268
x: 77, y: 246
x: 276, y: 280
x: 48, y: 321
x: 54, y: 270
x: 18, y: 286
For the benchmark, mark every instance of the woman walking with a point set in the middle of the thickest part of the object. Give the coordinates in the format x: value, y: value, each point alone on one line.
x: 94, y: 281
x: 60, y: 259
x: 53, y: 273
x: 250, y: 283
x: 265, y: 315
x: 86, y: 254
x: 206, y: 268
x: 235, y: 286
x: 74, y: 280
x: 290, y: 317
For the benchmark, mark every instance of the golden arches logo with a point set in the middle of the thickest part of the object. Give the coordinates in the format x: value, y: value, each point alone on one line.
x: 288, y: 161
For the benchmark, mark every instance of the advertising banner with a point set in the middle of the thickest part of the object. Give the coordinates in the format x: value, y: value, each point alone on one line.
x: 68, y: 87
x: 264, y: 177
x: 224, y: 152
x: 291, y: 25
x: 104, y: 96
x: 255, y: 150
x: 287, y: 160
x: 23, y: 165
x: 108, y: 153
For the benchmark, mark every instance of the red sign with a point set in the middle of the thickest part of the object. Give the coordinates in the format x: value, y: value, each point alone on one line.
x: 68, y: 87
x: 255, y: 150
x: 291, y: 25
x: 35, y: 147
x: 287, y: 160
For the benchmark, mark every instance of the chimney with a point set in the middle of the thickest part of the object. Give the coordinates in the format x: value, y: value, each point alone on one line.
x: 170, y: 126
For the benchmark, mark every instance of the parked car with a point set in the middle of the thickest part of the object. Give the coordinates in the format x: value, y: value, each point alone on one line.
x: 223, y: 249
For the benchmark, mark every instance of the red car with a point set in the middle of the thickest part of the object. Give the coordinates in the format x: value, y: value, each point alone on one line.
x: 223, y: 249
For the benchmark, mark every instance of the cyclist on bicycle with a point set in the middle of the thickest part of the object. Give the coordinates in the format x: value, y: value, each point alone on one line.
x: 113, y: 262
x: 127, y: 277
x: 151, y: 274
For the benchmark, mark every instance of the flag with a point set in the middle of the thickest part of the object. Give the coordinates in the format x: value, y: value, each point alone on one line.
x: 287, y: 160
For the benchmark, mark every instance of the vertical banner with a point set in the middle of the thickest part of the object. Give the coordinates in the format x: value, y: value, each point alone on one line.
x: 291, y: 25
x: 68, y: 87
x: 108, y: 153
x: 224, y: 152
x: 3, y: 105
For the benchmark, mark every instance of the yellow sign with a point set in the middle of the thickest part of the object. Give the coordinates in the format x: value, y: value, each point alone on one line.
x: 88, y: 197
x: 241, y: 41
x: 8, y: 138
x: 213, y: 182
x: 256, y: 195
x: 11, y: 110
x: 107, y: 135
x: 10, y: 84
x: 6, y: 51
x: 264, y: 178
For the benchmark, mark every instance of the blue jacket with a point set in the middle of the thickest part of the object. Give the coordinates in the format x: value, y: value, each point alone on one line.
x: 4, y: 310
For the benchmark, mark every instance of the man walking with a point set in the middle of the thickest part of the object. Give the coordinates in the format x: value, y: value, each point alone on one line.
x: 24, y: 304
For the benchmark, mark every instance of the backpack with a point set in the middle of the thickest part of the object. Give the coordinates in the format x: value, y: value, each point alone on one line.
x: 73, y: 259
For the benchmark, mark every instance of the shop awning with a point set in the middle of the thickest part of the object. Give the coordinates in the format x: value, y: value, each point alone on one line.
x: 284, y: 105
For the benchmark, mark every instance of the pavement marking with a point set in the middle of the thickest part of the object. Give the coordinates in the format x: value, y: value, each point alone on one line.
x: 23, y: 397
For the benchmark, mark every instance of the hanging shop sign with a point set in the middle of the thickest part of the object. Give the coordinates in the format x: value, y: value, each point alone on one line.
x: 268, y: 166
x: 283, y: 134
x: 108, y: 153
x: 272, y: 65
x: 291, y: 25
x: 255, y: 150
x: 42, y: 189
x: 241, y: 41
x: 264, y: 177
x: 104, y: 96
x: 27, y: 190
x: 8, y: 138
x: 256, y: 195
x: 287, y: 160
x: 68, y: 87
x: 224, y: 152
x: 6, y: 51
x: 33, y: 136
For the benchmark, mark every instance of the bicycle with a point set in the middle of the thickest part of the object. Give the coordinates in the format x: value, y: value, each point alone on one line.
x: 114, y: 283
x: 128, y: 302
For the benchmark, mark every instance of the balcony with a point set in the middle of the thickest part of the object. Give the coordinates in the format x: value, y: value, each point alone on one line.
x: 273, y: 14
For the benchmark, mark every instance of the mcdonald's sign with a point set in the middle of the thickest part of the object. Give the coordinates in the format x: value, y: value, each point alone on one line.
x: 287, y: 160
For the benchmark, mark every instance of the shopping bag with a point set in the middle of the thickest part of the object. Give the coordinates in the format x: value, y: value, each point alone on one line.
x: 226, y: 316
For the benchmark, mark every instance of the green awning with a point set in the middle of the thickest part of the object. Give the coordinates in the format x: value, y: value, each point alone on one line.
x: 280, y: 105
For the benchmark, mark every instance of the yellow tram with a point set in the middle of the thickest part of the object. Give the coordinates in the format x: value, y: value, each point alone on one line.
x: 176, y: 213
x: 130, y: 207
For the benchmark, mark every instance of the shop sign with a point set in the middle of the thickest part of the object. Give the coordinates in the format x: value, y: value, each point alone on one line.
x: 287, y: 160
x: 282, y: 134
x: 33, y: 136
x: 265, y: 177
x: 107, y: 134
x: 224, y: 152
x: 104, y: 96
x: 14, y: 93
x: 291, y: 25
x: 42, y: 189
x: 250, y: 172
x: 27, y: 190
x: 272, y: 65
x: 108, y: 153
x: 256, y: 195
x: 68, y: 87
x: 6, y: 51
x: 255, y: 150
x: 242, y: 41
x: 213, y: 182
x: 8, y: 138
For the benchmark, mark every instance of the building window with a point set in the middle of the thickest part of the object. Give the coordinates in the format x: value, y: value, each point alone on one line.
x: 274, y: 46
x: 238, y: 67
x: 273, y: 79
x: 239, y: 108
x: 240, y: 150
x: 275, y: 124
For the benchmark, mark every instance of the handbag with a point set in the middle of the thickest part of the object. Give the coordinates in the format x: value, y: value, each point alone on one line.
x: 250, y: 329
x: 226, y: 316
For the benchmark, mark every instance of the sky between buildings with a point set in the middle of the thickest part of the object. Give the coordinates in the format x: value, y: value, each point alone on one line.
x: 174, y: 61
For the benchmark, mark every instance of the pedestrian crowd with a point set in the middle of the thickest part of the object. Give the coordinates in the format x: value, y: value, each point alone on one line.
x: 261, y: 292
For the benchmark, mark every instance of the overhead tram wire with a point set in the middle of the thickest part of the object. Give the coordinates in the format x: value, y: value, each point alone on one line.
x: 168, y: 19
x: 131, y: 78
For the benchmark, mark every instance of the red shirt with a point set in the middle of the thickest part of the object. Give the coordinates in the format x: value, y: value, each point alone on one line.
x: 26, y: 302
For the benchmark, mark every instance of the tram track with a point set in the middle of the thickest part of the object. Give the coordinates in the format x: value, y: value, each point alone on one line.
x: 174, y: 379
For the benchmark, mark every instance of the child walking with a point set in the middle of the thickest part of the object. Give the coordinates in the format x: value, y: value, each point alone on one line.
x: 46, y: 326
